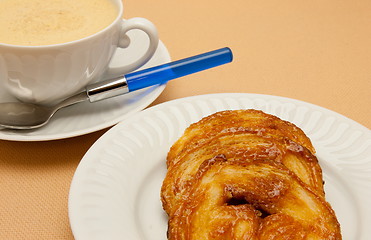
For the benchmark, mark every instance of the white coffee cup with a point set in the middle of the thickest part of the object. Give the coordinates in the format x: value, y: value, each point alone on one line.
x: 46, y: 74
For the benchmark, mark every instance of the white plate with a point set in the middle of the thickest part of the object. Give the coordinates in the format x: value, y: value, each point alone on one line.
x: 115, y: 192
x: 88, y: 117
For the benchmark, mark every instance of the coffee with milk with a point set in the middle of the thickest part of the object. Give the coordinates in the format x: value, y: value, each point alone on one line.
x: 40, y: 22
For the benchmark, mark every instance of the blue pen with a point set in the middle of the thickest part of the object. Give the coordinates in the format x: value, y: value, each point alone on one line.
x: 158, y: 75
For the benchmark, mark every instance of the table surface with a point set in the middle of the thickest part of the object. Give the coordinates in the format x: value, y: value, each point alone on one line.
x: 314, y: 51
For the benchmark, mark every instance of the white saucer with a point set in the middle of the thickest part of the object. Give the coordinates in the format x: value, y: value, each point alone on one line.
x: 89, y: 117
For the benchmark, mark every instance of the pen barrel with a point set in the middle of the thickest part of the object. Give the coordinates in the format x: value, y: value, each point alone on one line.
x: 166, y: 72
x: 157, y: 75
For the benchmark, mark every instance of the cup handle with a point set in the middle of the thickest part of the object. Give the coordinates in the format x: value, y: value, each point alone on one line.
x: 124, y: 42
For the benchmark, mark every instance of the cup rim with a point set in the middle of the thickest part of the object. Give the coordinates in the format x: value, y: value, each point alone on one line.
x: 57, y: 45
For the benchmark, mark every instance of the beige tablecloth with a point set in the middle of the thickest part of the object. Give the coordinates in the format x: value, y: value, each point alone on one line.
x: 315, y: 51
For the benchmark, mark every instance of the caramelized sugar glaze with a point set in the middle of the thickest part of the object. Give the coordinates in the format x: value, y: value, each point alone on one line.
x: 245, y: 174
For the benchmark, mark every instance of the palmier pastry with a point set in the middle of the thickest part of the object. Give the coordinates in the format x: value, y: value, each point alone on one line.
x: 245, y: 174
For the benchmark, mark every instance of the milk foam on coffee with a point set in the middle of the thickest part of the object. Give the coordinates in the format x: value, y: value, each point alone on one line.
x: 46, y: 22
